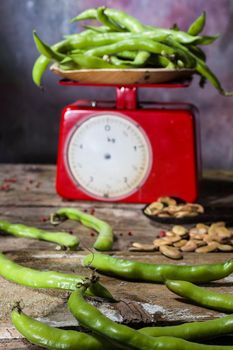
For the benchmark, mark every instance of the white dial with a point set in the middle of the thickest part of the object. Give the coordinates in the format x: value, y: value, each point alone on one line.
x: 109, y: 156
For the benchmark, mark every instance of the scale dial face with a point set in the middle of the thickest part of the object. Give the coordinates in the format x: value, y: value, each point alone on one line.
x: 109, y: 156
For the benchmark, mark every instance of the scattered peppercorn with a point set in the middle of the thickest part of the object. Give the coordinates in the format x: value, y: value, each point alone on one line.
x: 5, y: 187
x: 162, y: 233
x: 92, y: 211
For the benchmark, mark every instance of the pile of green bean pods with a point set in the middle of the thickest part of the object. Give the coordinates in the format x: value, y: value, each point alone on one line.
x: 107, y: 334
x: 93, y: 319
x: 123, y: 42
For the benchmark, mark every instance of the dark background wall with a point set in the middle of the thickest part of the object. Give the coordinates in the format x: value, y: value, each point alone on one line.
x: 30, y: 117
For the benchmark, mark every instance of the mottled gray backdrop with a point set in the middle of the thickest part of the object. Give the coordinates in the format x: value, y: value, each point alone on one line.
x: 30, y: 118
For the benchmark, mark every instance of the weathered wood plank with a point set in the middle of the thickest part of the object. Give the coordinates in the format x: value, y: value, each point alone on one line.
x: 17, y: 344
x: 129, y: 225
x: 35, y: 186
x: 29, y: 197
x: 139, y: 303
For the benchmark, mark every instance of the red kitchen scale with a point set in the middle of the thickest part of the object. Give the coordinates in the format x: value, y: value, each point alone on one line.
x: 127, y: 150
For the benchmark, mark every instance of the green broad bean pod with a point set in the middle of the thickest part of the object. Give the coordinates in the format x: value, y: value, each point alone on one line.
x: 129, y: 55
x: 91, y: 41
x: 83, y: 34
x: 62, y: 238
x: 103, y: 18
x: 85, y: 15
x: 68, y: 66
x: 90, y: 62
x: 162, y: 61
x: 140, y: 60
x: 131, y: 44
x: 99, y: 29
x: 197, y: 51
x: 194, y: 330
x: 46, y: 50
x: 183, y: 37
x: 39, y: 67
x: 29, y: 277
x: 118, y: 62
x: 143, y: 60
x: 121, y: 18
x: 93, y: 319
x: 200, y: 66
x: 124, y: 20
x: 198, y: 25
x: 131, y: 24
x: 100, y: 39
x: 104, y: 240
x: 49, y: 337
x: 42, y: 63
x: 202, y: 296
x: 158, y: 273
x: 206, y: 40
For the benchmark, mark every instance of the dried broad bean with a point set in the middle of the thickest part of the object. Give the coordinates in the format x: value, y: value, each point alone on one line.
x: 170, y: 252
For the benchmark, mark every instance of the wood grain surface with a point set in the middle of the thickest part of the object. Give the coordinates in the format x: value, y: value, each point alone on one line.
x: 30, y: 197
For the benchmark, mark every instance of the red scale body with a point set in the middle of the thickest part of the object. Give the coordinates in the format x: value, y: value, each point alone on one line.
x: 172, y: 131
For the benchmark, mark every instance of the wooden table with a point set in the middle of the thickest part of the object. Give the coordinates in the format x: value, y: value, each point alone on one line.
x: 27, y: 195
